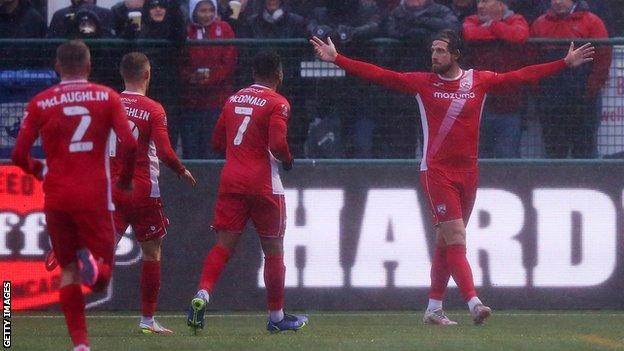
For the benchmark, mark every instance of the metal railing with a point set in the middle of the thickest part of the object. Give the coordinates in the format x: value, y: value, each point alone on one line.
x: 334, y: 115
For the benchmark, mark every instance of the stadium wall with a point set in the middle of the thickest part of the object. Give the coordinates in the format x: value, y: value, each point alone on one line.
x: 543, y: 235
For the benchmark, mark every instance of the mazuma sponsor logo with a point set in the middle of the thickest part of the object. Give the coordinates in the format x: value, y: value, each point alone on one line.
x: 460, y: 96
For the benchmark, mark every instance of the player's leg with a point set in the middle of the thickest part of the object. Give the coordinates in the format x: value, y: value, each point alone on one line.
x: 150, y: 226
x: 64, y: 237
x: 231, y: 215
x: 97, y: 233
x: 214, y: 263
x: 437, y: 188
x: 469, y: 181
x: 440, y: 275
x: 268, y: 213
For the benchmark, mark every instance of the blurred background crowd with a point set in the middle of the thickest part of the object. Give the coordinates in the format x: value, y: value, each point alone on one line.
x: 575, y: 114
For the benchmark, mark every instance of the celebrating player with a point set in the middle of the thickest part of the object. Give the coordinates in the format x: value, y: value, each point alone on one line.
x: 142, y: 208
x: 252, y: 132
x: 74, y: 119
x: 451, y: 101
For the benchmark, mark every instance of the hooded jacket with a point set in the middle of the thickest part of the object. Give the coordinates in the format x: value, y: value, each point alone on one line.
x: 220, y: 59
x: 587, y: 80
x: 173, y: 27
x: 62, y: 23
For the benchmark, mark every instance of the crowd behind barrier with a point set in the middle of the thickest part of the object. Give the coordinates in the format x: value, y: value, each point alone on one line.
x: 201, y: 52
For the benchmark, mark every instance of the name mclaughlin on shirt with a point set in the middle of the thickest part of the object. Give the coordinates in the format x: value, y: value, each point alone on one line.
x: 71, y: 97
x: 248, y: 99
x: 461, y: 96
x: 137, y: 113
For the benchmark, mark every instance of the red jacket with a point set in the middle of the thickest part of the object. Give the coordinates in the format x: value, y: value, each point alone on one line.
x: 221, y: 60
x: 499, y: 48
x: 579, y: 24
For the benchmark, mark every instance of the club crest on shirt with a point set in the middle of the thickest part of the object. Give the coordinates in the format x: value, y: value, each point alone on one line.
x: 465, y: 84
x: 441, y: 208
x: 284, y: 111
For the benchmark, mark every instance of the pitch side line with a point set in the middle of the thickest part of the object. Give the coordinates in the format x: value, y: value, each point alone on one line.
x: 329, y: 314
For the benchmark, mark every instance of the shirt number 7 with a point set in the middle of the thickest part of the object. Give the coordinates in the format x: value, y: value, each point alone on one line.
x: 246, y: 112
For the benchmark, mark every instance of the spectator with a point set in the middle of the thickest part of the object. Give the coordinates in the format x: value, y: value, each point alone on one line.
x: 63, y: 20
x: 274, y: 21
x: 163, y: 19
x: 461, y: 8
x: 236, y: 15
x: 87, y: 24
x: 207, y: 73
x: 18, y: 19
x: 570, y: 116
x: 277, y: 21
x: 304, y: 7
x: 127, y: 17
x: 495, y: 29
x: 530, y: 9
x: 348, y: 23
x: 414, y: 22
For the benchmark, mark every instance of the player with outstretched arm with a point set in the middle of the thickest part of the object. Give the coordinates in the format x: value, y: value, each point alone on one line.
x: 451, y: 101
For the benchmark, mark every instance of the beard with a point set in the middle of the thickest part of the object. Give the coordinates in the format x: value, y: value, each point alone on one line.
x: 440, y: 68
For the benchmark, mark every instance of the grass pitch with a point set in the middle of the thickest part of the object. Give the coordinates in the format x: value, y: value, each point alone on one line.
x: 506, y: 330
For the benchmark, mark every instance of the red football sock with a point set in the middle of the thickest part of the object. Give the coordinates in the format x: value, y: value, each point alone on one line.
x: 150, y: 286
x: 460, y: 270
x: 274, y: 275
x: 213, y: 265
x: 73, y: 306
x: 104, y: 276
x: 439, y: 274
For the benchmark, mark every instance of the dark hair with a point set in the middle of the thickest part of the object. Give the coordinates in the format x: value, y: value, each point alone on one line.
x: 452, y: 38
x: 267, y: 64
x: 73, y: 56
x: 133, y: 65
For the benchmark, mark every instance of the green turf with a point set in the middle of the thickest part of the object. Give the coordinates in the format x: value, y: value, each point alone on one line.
x: 506, y: 330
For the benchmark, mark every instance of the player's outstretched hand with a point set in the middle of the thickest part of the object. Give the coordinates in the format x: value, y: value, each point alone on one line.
x: 324, y: 51
x: 288, y: 165
x: 188, y: 177
x: 579, y: 56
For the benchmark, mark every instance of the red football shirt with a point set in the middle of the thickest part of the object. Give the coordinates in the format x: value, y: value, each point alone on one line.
x: 252, y: 131
x: 148, y: 123
x: 450, y: 109
x: 74, y: 120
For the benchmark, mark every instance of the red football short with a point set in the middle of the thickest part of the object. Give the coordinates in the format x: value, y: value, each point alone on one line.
x: 73, y: 230
x: 450, y: 195
x: 267, y: 212
x: 146, y: 216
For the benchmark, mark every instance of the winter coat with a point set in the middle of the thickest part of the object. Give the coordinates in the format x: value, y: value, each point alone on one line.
x: 587, y: 80
x: 24, y: 22
x: 62, y: 23
x: 346, y: 21
x: 420, y: 24
x: 219, y: 59
x: 498, y: 47
x: 290, y: 25
x: 417, y: 27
